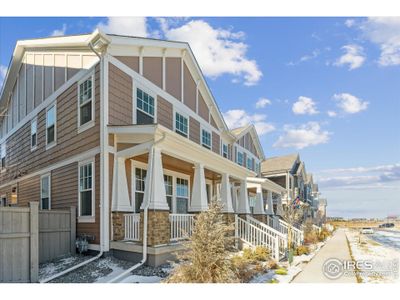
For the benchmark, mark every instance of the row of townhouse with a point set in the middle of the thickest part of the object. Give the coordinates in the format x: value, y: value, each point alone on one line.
x: 127, y: 130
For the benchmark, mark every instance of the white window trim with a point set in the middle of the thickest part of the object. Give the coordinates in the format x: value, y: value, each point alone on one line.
x: 41, y: 178
x: 92, y: 218
x: 91, y: 123
x: 175, y: 111
x: 222, y: 149
x: 54, y: 143
x: 136, y: 164
x: 136, y: 85
x: 35, y: 147
x: 201, y: 137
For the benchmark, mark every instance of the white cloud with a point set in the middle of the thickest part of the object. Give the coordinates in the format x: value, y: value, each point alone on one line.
x: 385, y: 32
x: 331, y: 113
x: 3, y: 73
x: 59, y: 32
x: 263, y: 102
x: 304, y: 106
x: 133, y: 26
x: 350, y: 22
x: 314, y: 54
x: 350, y: 104
x: 237, y: 118
x: 218, y: 51
x: 309, y: 134
x: 354, y: 57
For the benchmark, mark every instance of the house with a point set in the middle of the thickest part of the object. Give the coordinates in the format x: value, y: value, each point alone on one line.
x: 127, y: 130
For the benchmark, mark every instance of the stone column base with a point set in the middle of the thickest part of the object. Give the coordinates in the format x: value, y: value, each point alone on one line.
x: 261, y: 218
x: 158, y: 227
x: 118, y: 225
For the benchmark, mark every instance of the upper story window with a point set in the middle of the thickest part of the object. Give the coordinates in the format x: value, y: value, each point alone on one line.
x: 45, y: 192
x: 3, y: 155
x: 249, y: 163
x: 51, y: 126
x: 240, y: 158
x: 33, y: 134
x: 181, y: 124
x: 225, y: 150
x: 86, y: 189
x: 206, y: 138
x: 145, y: 108
x: 86, y: 107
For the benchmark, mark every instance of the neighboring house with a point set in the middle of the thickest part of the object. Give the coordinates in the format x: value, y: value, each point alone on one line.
x: 125, y: 129
x: 321, y: 213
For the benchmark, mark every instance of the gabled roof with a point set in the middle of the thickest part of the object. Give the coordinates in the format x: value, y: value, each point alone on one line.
x: 241, y: 131
x: 279, y: 164
x: 309, y: 178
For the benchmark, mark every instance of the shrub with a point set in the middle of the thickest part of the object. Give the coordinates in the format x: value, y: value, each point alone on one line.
x: 273, y: 280
x: 258, y: 254
x: 207, y: 258
x: 302, y: 249
x: 281, y: 271
x: 310, y: 237
x: 322, y: 236
x: 273, y: 265
x: 242, y: 268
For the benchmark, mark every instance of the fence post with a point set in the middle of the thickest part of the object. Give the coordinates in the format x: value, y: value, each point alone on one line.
x: 73, y: 228
x: 236, y: 231
x: 34, y: 241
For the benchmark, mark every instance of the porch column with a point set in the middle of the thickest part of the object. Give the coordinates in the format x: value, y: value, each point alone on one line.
x: 259, y: 205
x: 279, y: 209
x: 226, y: 196
x: 120, y: 194
x: 243, y: 201
x: 198, y: 202
x: 270, y: 205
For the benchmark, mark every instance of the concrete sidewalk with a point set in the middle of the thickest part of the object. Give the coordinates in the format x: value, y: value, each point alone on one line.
x: 337, y: 248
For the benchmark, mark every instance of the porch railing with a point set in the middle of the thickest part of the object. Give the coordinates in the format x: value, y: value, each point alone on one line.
x: 297, y: 235
x: 181, y: 226
x: 132, y: 227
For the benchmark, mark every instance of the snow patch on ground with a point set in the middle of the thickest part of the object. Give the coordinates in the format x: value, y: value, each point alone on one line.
x: 142, y: 279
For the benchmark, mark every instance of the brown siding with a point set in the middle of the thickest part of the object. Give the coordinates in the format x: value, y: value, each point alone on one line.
x: 203, y: 108
x: 194, y: 130
x: 189, y: 91
x: 152, y: 70
x: 20, y: 160
x: 215, y: 142
x: 111, y: 139
x: 120, y: 97
x: 165, y: 113
x: 28, y: 190
x: 173, y: 76
x: 131, y: 61
x: 212, y: 122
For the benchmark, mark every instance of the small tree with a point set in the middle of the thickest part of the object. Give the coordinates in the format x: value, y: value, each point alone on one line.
x: 292, y: 214
x: 207, y: 257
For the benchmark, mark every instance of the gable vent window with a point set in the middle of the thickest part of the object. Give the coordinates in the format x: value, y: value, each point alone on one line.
x: 206, y: 139
x: 86, y: 107
x: 51, y: 126
x: 145, y: 108
x: 34, y: 134
x: 181, y: 125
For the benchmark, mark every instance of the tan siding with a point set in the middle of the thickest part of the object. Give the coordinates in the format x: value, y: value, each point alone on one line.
x: 203, y: 108
x: 189, y: 91
x: 173, y: 76
x: 194, y: 130
x: 131, y: 61
x: 152, y: 70
x: 120, y: 97
x: 215, y: 142
x: 165, y: 113
x: 212, y: 122
x: 28, y: 191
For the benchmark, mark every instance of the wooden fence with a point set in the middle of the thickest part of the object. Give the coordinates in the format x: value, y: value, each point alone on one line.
x: 29, y: 236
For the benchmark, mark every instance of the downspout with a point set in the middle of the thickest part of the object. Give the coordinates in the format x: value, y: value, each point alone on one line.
x: 145, y: 225
x: 101, y: 208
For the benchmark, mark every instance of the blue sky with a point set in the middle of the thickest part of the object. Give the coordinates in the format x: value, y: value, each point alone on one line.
x: 327, y: 88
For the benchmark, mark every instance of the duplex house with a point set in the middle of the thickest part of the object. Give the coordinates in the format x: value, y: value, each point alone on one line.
x: 127, y: 130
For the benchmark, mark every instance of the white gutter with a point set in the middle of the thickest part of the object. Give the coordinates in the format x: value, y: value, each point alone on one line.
x: 145, y: 225
x: 100, y: 217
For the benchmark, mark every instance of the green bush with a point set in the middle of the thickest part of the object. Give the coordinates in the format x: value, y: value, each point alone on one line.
x: 302, y: 249
x: 258, y: 254
x: 281, y: 271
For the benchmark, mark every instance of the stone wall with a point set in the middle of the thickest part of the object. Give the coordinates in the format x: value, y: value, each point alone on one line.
x: 118, y: 226
x: 158, y: 227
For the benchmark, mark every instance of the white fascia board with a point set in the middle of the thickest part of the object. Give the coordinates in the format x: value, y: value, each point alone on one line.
x: 133, y: 129
x: 267, y: 184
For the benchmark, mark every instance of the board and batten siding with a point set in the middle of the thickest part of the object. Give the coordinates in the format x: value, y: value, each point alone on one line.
x: 216, y: 143
x: 173, y: 76
x: 165, y: 113
x: 131, y: 61
x: 189, y: 90
x: 152, y: 70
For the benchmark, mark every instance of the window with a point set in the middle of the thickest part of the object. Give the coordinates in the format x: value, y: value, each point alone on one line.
x: 86, y: 193
x: 249, y: 163
x: 240, y: 158
x: 181, y: 124
x: 51, y: 125
x: 33, y: 134
x: 257, y: 168
x: 3, y: 200
x: 206, y: 138
x: 145, y: 108
x: 45, y: 192
x: 182, y: 195
x: 168, y: 190
x: 3, y: 155
x: 86, y: 107
x: 14, y: 195
x: 140, y: 180
x: 225, y: 150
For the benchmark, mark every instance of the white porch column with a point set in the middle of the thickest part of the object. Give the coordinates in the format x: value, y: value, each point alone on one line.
x: 154, y: 193
x: 259, y: 205
x: 120, y: 194
x: 199, y: 193
x: 279, y: 209
x: 226, y: 196
x: 234, y: 197
x: 243, y: 201
x: 270, y: 204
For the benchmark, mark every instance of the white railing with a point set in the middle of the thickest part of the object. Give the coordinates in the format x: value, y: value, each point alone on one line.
x: 132, y: 227
x: 297, y: 235
x: 256, y: 236
x: 181, y: 226
x: 317, y: 228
